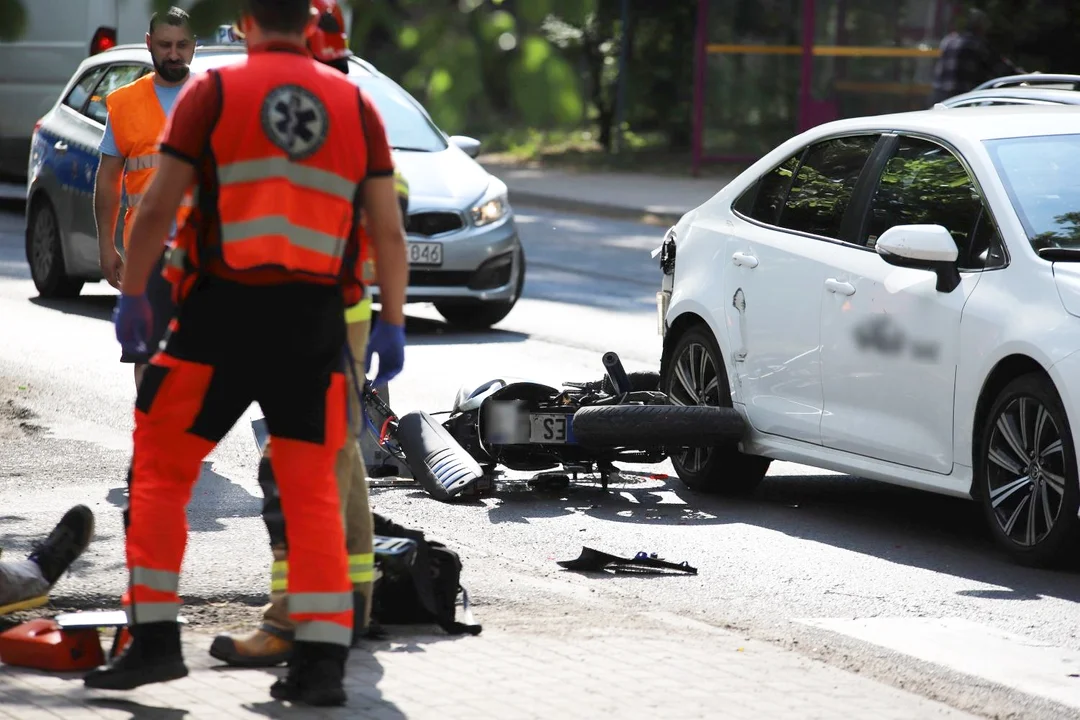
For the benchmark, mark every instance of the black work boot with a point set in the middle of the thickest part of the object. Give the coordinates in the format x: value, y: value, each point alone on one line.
x: 153, y: 656
x: 316, y: 675
x: 65, y: 543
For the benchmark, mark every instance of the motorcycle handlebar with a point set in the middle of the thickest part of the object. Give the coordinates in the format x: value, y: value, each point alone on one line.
x: 616, y: 372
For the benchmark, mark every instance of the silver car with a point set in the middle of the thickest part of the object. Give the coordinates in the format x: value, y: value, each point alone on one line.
x: 464, y: 251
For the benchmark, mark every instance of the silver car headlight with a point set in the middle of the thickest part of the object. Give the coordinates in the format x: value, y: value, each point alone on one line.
x: 492, y: 207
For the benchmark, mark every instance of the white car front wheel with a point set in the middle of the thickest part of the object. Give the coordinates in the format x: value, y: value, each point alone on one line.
x: 693, y: 374
x: 1027, y: 474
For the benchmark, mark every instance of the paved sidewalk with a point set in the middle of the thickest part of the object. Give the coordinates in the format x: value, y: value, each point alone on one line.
x: 663, y: 667
x: 658, y: 199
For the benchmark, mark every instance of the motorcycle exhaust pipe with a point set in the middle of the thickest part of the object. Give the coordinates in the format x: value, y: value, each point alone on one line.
x: 616, y: 372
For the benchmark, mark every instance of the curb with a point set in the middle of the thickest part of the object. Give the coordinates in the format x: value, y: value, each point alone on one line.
x: 614, y: 212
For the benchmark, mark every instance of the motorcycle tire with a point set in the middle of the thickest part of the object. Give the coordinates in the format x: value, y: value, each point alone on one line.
x: 639, y: 382
x: 649, y: 426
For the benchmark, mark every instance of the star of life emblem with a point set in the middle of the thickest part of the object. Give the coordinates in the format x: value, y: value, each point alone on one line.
x: 295, y: 120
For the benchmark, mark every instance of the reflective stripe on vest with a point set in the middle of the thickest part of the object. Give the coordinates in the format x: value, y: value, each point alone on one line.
x: 185, y: 202
x: 142, y: 162
x: 301, y: 176
x: 293, y: 211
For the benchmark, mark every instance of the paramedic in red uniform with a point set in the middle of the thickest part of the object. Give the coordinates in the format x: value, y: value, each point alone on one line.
x: 285, y: 154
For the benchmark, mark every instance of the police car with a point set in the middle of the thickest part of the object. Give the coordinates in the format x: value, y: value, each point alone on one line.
x: 464, y: 252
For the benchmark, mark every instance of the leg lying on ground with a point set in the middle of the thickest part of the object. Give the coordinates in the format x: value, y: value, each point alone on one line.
x: 26, y: 583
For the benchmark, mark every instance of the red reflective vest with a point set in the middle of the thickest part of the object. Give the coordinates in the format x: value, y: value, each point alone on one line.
x: 289, y: 155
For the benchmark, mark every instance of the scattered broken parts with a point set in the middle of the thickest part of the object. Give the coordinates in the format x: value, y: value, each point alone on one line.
x: 595, y: 560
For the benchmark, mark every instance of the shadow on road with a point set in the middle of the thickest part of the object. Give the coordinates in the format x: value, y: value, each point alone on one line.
x: 96, y: 307
x: 215, y: 498
x: 907, y: 527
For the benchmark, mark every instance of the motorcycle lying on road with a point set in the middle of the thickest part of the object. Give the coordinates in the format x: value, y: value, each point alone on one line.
x: 523, y: 425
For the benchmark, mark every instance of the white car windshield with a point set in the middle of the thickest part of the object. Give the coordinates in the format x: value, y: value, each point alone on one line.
x: 1040, y: 175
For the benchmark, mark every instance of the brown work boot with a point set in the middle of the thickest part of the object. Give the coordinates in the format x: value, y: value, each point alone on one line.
x: 265, y: 647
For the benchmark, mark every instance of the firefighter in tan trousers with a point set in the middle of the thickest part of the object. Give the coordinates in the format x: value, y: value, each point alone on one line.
x: 271, y: 643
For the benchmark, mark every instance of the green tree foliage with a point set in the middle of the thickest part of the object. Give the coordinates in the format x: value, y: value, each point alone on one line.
x: 12, y: 20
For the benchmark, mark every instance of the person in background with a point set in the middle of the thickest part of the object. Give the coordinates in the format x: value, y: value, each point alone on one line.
x: 129, y: 159
x: 967, y: 60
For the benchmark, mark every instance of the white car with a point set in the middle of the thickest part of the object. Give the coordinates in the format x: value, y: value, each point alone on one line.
x: 896, y: 297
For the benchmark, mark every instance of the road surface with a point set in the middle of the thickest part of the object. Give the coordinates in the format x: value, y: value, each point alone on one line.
x: 899, y: 585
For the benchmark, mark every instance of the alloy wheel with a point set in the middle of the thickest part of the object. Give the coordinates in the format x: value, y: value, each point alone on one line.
x: 694, y: 382
x: 44, y: 242
x: 1025, y: 475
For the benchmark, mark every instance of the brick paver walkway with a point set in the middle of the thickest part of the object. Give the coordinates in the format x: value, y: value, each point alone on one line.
x: 556, y: 672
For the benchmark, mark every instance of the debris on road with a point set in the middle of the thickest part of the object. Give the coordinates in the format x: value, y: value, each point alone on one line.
x: 642, y: 563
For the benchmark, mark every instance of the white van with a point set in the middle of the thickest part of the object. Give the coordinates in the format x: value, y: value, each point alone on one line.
x: 34, y: 70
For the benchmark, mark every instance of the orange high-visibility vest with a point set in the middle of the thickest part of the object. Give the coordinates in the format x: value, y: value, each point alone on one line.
x: 137, y: 120
x: 289, y: 158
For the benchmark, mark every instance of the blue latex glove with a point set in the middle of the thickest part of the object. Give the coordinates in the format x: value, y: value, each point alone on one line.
x: 133, y: 318
x: 388, y: 342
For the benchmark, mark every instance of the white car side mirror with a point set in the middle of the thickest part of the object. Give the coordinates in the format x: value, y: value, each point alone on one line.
x: 471, y: 146
x: 922, y: 247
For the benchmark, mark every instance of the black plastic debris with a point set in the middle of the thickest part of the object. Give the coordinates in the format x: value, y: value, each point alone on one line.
x: 594, y: 560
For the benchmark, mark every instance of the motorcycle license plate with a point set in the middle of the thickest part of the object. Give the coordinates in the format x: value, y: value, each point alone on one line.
x: 426, y: 254
x: 551, y: 429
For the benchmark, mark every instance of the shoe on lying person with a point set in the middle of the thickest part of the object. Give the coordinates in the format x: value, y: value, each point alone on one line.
x: 65, y: 543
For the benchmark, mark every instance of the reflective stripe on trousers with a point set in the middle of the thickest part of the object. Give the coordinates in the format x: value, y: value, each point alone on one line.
x: 305, y: 604
x: 359, y: 312
x: 361, y: 570
x: 152, y: 596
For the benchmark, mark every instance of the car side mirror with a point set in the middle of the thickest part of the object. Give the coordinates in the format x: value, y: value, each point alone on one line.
x: 922, y: 247
x: 471, y: 146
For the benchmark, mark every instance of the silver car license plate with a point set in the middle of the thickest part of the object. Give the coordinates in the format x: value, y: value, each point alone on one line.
x: 425, y: 253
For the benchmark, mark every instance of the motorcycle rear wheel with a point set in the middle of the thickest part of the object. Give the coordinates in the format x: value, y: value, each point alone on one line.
x: 649, y: 426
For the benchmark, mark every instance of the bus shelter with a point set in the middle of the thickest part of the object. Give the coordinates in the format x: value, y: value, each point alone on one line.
x: 769, y: 69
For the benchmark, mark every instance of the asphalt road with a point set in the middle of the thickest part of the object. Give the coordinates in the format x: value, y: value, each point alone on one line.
x: 900, y: 585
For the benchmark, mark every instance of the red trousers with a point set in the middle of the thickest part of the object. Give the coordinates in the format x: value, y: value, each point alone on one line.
x: 230, y: 346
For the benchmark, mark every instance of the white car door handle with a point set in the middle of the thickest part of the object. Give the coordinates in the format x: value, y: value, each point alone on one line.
x: 60, y: 146
x: 744, y: 260
x: 840, y: 288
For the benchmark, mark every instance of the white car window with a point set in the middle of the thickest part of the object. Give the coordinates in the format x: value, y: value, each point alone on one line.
x: 924, y: 183
x: 822, y: 189
x: 762, y: 200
